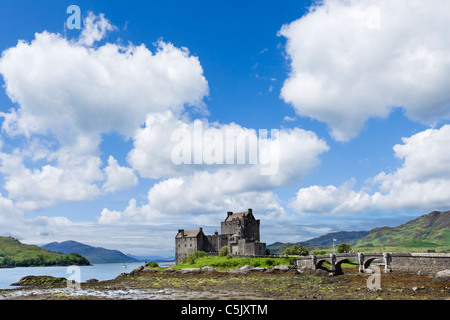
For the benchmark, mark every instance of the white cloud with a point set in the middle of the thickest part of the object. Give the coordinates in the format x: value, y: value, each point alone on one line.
x: 201, y: 198
x: 95, y: 90
x: 69, y: 93
x: 95, y: 29
x: 118, y: 177
x: 352, y: 60
x: 331, y: 200
x: 71, y: 179
x: 294, y: 152
x: 207, y: 189
x: 421, y: 183
x: 424, y: 178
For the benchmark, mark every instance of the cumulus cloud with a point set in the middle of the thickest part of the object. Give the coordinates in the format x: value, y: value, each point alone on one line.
x: 201, y: 198
x: 292, y: 152
x: 331, y: 200
x: 420, y: 183
x: 95, y: 90
x: 352, y: 60
x: 206, y: 188
x: 118, y: 177
x: 69, y: 93
x: 424, y: 177
x: 95, y: 29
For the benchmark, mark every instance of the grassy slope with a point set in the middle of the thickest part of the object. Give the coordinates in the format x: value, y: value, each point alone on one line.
x: 13, y: 249
x: 427, y: 231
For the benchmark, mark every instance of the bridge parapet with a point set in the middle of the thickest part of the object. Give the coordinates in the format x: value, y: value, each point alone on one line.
x: 402, y: 261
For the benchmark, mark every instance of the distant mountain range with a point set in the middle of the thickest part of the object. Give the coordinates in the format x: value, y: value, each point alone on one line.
x: 93, y: 254
x: 429, y: 230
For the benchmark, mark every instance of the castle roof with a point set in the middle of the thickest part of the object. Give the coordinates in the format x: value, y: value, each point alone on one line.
x: 238, y: 215
x: 189, y: 233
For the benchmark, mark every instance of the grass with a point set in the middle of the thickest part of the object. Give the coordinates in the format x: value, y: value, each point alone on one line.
x: 227, y: 262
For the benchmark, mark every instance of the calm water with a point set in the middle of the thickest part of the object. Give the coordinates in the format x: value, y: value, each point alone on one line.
x: 101, y: 271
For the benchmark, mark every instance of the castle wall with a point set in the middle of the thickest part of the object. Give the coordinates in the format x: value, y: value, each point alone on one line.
x: 185, y: 245
x: 251, y: 248
x: 241, y: 235
x: 248, y: 224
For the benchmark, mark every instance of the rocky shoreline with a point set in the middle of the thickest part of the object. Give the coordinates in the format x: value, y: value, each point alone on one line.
x: 245, y: 283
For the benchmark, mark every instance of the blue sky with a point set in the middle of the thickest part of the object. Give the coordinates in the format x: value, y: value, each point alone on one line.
x: 357, y: 89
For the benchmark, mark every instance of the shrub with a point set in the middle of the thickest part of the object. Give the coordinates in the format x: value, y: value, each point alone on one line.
x: 223, y: 251
x: 152, y: 265
x: 319, y: 252
x: 190, y: 259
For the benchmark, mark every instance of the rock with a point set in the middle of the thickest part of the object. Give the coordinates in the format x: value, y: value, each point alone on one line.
x: 283, y: 267
x: 273, y: 270
x: 138, y: 269
x: 148, y: 270
x: 415, y: 289
x: 190, y: 270
x: 169, y: 270
x: 245, y: 268
x: 442, y: 275
x: 91, y: 281
x: 258, y: 269
x: 208, y: 269
x: 40, y: 281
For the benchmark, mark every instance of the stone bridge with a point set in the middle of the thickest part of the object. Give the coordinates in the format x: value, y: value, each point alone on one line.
x: 399, y: 261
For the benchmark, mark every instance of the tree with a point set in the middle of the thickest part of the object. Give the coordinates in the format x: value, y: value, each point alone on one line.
x: 296, y: 249
x: 344, y: 247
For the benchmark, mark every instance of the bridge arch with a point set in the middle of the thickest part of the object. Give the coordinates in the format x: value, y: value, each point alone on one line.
x: 319, y: 264
x: 338, y: 265
x: 370, y: 260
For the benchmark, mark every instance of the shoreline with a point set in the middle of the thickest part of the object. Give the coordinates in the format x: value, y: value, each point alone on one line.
x: 250, y: 284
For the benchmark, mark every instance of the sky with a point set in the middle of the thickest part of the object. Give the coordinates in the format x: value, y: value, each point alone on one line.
x: 148, y: 117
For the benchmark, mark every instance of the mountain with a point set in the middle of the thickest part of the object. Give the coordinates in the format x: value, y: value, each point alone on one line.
x: 326, y: 240
x: 14, y: 253
x: 93, y: 254
x: 350, y: 237
x: 429, y: 230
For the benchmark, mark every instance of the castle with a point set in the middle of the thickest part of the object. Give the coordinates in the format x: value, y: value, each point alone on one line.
x: 239, y: 232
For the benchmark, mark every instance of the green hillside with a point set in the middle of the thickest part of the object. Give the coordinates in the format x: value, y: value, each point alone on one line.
x: 430, y: 230
x: 13, y: 253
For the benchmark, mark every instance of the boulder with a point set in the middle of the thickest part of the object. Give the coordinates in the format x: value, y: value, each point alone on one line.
x: 258, y: 269
x: 189, y: 270
x: 283, y: 267
x: 208, y: 269
x: 442, y: 275
x: 245, y: 268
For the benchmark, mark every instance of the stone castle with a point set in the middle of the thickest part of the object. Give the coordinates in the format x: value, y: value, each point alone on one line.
x: 239, y: 232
